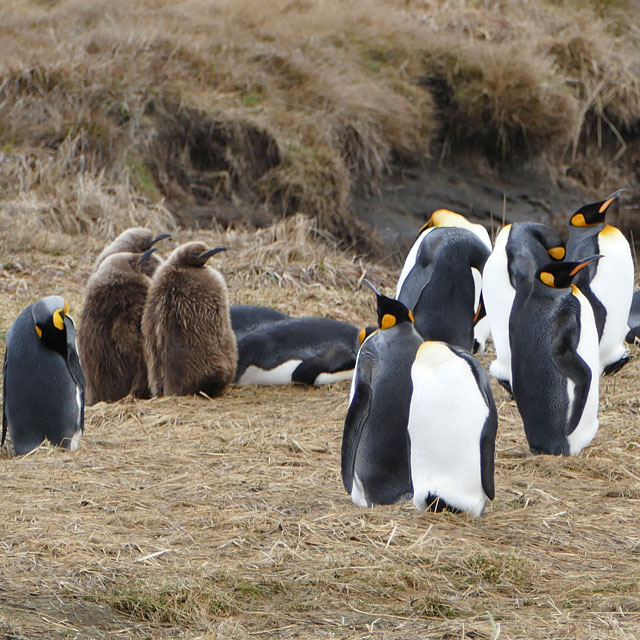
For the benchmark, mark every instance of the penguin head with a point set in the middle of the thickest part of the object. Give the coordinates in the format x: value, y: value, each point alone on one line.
x: 593, y: 213
x: 49, y: 322
x: 390, y: 312
x: 138, y: 239
x: 193, y: 254
x: 559, y: 275
x: 445, y: 218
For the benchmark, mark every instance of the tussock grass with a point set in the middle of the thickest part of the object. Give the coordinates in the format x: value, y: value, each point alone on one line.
x: 288, y: 106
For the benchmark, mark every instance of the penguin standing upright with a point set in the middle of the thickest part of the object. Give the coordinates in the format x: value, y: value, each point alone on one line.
x: 555, y: 361
x: 43, y: 390
x: 452, y: 430
x: 520, y: 250
x: 308, y: 350
x: 441, y: 288
x: 134, y: 240
x: 607, y: 284
x: 375, y: 443
x: 189, y: 344
x: 110, y: 330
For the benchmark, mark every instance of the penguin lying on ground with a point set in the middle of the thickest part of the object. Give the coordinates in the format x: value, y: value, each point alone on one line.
x: 554, y: 361
x: 520, y: 248
x: 43, y: 391
x: 248, y: 317
x: 308, y: 350
x: 189, y: 344
x: 134, y: 240
x: 607, y: 283
x: 110, y: 331
x: 375, y: 443
x: 452, y: 430
x: 442, y: 287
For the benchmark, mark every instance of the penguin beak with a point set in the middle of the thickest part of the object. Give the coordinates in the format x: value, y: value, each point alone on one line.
x: 582, y: 265
x: 212, y: 252
x: 375, y: 291
x: 162, y: 236
x: 146, y: 254
x: 607, y: 203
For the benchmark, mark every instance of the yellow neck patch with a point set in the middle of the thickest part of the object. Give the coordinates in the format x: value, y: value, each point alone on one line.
x: 557, y: 253
x: 39, y: 331
x: 548, y: 279
x: 58, y: 320
x: 387, y: 321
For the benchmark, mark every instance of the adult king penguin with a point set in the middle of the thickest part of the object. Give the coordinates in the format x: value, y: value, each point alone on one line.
x: 442, y: 287
x: 555, y: 362
x: 520, y: 250
x: 607, y: 284
x: 375, y: 443
x: 310, y: 350
x: 189, y: 344
x: 452, y: 430
x: 110, y: 330
x: 43, y: 391
x: 135, y: 240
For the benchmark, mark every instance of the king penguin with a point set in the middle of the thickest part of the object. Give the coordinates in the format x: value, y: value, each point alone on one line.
x: 375, y: 443
x: 520, y: 248
x: 110, y: 329
x: 43, y: 391
x: 607, y: 284
x: 135, y: 240
x: 555, y: 362
x: 442, y: 288
x: 452, y: 430
x: 188, y: 341
x: 308, y: 350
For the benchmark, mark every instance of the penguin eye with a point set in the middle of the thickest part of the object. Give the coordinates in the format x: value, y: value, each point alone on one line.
x: 548, y: 279
x: 58, y: 320
x: 388, y: 321
x: 39, y: 331
x: 557, y: 253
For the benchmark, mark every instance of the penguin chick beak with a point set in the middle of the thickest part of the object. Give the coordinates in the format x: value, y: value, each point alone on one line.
x: 162, y: 236
x: 203, y: 257
x: 146, y: 254
x: 582, y: 265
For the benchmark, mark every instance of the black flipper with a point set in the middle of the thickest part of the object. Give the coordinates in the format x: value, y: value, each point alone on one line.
x: 335, y: 358
x: 566, y: 359
x: 73, y: 364
x: 357, y: 415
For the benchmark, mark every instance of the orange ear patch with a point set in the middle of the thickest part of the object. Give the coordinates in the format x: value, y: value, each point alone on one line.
x: 557, y: 253
x: 578, y: 220
x: 548, y: 279
x: 388, y: 321
x: 411, y: 317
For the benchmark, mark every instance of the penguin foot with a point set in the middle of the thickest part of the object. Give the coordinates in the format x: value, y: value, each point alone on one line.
x: 613, y: 367
x: 437, y: 504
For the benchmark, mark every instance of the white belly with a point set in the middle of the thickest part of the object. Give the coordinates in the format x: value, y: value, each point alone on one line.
x: 498, y: 295
x: 338, y: 376
x: 278, y: 375
x: 613, y: 286
x: 446, y: 418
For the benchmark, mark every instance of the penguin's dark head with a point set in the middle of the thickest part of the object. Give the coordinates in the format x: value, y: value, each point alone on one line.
x: 390, y: 312
x: 138, y: 239
x: 559, y: 275
x: 49, y: 321
x: 593, y: 213
x: 193, y: 254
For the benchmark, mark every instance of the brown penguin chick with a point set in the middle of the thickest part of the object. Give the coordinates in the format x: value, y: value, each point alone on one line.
x: 189, y: 343
x: 109, y: 334
x: 135, y: 240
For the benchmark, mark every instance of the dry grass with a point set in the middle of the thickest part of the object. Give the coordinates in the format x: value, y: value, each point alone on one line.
x: 182, y: 517
x: 287, y: 106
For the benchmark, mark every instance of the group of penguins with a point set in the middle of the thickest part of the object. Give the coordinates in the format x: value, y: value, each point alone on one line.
x: 421, y: 421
